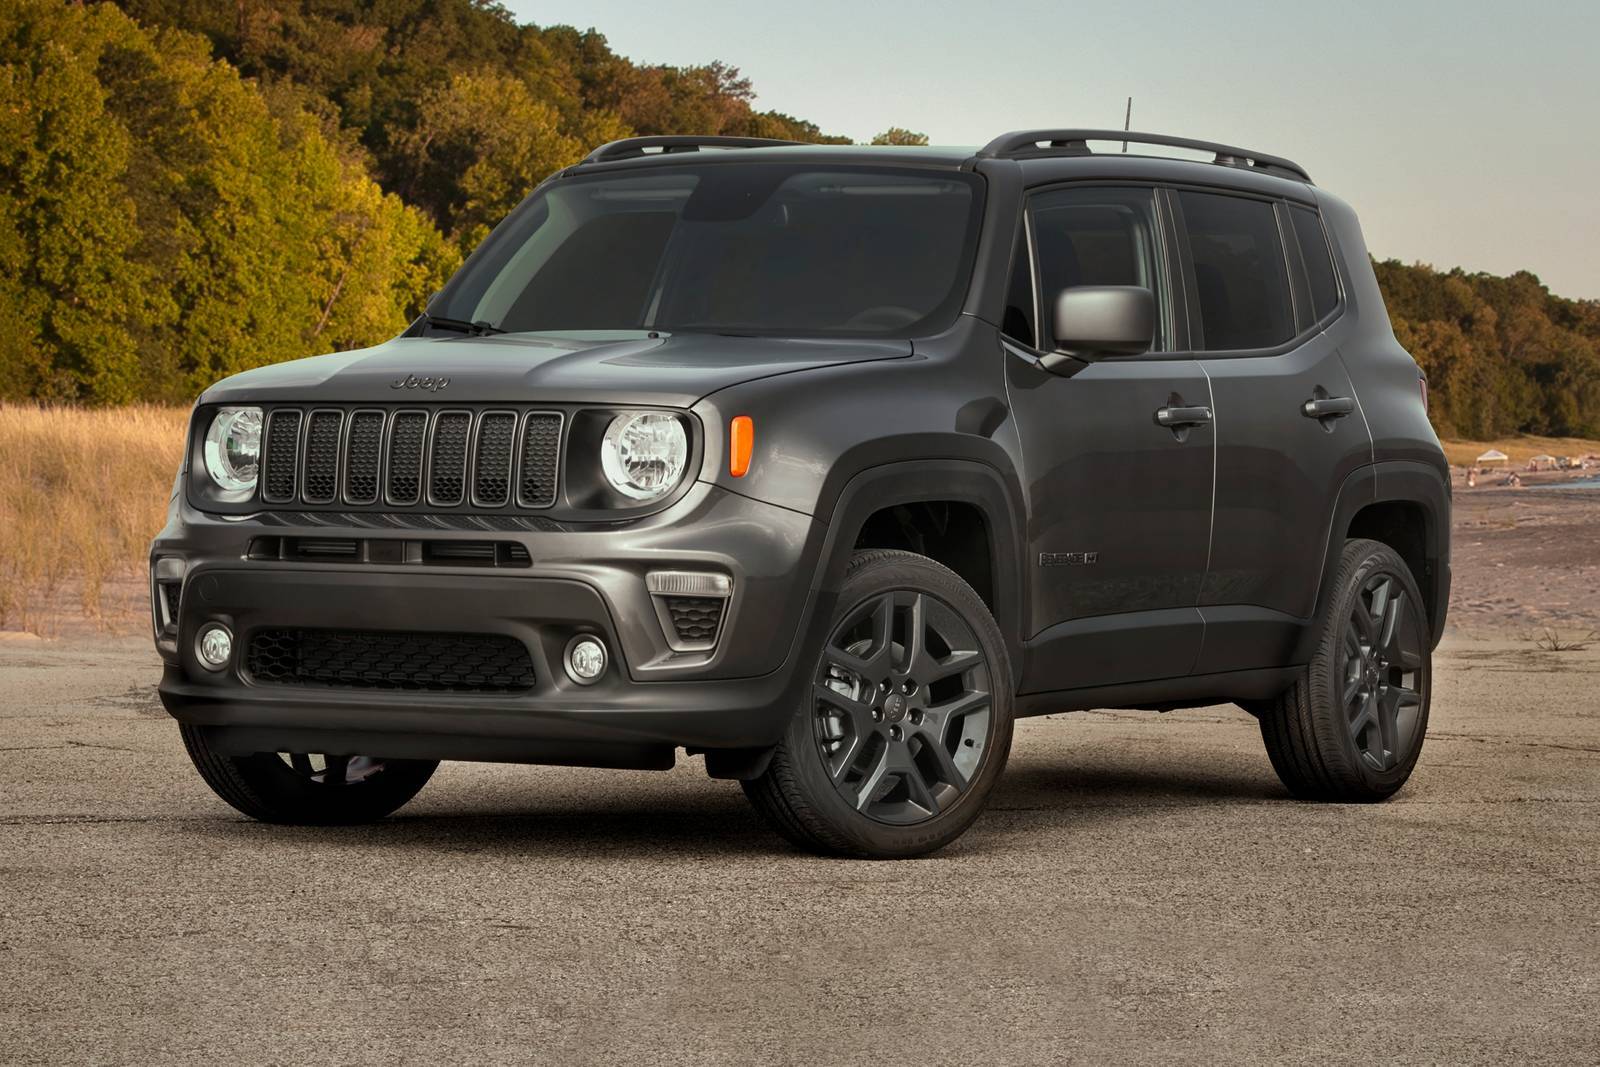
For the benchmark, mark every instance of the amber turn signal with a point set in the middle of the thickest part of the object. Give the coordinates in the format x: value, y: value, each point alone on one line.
x: 741, y: 442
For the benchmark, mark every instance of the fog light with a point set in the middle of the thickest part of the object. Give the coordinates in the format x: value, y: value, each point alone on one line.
x: 586, y: 660
x: 214, y: 647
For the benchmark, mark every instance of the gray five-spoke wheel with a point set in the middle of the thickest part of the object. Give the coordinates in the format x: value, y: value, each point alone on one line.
x: 903, y: 706
x: 1382, y: 672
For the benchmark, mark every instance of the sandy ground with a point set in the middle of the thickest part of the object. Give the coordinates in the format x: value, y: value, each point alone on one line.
x: 1526, y: 560
x: 1142, y: 889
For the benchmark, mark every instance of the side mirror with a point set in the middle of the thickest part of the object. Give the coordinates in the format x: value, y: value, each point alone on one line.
x: 1095, y: 321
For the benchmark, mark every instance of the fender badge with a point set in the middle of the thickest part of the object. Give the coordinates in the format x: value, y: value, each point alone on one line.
x: 1068, y: 559
x: 411, y: 381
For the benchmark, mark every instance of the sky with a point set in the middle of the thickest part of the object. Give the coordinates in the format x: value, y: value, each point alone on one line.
x: 1464, y: 133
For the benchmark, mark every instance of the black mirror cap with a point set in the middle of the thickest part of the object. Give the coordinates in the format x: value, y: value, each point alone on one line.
x: 1095, y: 321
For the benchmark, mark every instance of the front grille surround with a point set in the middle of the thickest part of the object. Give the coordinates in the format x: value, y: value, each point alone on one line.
x: 494, y: 459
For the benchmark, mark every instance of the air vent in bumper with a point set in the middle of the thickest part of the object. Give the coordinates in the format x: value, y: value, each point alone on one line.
x: 690, y: 606
x: 381, y: 659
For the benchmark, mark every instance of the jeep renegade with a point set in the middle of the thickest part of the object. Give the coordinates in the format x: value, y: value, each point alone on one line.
x: 825, y: 463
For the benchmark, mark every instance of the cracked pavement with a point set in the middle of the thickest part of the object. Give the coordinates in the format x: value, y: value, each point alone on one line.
x: 1141, y: 888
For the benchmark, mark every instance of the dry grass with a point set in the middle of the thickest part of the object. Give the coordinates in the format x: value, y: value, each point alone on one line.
x: 82, y: 492
x: 1520, y: 449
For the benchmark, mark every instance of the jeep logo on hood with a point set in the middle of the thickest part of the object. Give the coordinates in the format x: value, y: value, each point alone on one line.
x: 411, y: 381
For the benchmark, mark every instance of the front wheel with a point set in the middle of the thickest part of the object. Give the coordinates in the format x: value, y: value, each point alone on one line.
x: 1351, y: 727
x: 303, y: 788
x: 907, y: 725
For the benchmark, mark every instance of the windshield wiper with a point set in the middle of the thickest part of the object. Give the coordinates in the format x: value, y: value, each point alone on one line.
x: 471, y: 329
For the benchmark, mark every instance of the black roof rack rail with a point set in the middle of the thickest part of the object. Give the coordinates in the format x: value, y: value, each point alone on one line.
x: 633, y: 147
x: 1040, y: 144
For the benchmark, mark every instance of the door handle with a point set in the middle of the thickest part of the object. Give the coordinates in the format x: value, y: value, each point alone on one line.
x: 1174, y: 418
x: 1328, y: 407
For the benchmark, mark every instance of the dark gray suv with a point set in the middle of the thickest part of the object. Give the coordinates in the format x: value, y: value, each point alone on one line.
x: 825, y: 463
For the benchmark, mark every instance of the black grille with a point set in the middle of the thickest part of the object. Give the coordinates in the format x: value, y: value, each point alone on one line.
x: 541, y: 448
x: 362, y: 457
x: 280, y: 457
x: 412, y: 458
x: 695, y: 618
x: 448, y: 468
x: 379, y: 659
x: 491, y: 468
x: 406, y: 439
x: 322, y: 457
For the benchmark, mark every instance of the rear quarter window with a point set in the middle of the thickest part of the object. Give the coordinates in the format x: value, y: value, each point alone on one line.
x: 1320, y: 274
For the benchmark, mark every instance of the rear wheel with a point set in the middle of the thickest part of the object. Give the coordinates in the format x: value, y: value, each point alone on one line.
x: 304, y: 788
x: 1351, y: 727
x: 908, y: 723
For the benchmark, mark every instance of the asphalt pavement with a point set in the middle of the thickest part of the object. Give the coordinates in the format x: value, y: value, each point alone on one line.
x: 1142, y: 889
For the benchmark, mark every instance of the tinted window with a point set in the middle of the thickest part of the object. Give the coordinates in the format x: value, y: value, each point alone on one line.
x: 1239, y: 272
x: 1319, y: 261
x: 1096, y: 237
x: 728, y: 247
x: 1018, y: 321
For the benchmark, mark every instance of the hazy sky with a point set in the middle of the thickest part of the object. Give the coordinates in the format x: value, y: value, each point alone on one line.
x: 1465, y: 133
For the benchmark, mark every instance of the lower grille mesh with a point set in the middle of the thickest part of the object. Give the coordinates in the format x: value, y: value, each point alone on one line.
x: 695, y: 618
x: 382, y: 659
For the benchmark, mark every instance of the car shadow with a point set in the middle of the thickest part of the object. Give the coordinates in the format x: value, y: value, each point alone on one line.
x: 1051, y: 787
x: 712, y: 820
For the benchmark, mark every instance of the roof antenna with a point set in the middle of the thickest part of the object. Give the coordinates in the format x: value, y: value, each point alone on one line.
x: 1127, y: 124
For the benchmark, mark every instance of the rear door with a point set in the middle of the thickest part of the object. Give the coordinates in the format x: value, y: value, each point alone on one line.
x: 1289, y: 428
x: 1119, y: 504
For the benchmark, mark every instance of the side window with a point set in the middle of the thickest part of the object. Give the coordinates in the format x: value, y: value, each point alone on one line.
x: 1097, y: 237
x: 1320, y: 275
x: 1239, y: 272
x: 1018, y: 321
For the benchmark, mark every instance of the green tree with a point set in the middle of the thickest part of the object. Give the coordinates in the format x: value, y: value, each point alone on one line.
x: 898, y: 136
x: 74, y: 292
x: 482, y: 142
x: 163, y: 227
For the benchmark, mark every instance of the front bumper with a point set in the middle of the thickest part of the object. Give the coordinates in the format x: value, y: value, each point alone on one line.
x: 738, y: 695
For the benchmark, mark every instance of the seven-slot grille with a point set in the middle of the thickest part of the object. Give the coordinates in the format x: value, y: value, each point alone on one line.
x: 450, y: 458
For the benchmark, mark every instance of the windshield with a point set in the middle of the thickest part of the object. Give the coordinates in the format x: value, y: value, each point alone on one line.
x: 757, y: 248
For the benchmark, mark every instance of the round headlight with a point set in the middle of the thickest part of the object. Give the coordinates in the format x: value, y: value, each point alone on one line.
x: 644, y: 453
x: 233, y: 449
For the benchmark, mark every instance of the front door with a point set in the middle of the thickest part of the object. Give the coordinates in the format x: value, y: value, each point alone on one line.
x: 1119, y: 493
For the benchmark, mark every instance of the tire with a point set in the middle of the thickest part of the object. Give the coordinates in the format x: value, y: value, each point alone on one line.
x: 1351, y: 727
x: 291, y: 789
x: 898, y: 744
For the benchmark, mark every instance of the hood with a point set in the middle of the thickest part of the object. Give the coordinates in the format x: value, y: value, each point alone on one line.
x: 672, y: 370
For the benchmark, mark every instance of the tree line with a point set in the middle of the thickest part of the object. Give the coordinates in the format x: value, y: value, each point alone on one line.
x: 189, y: 188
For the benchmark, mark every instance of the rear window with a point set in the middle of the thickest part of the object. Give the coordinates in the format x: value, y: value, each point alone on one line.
x: 1320, y: 274
x: 1239, y: 271
x: 758, y: 248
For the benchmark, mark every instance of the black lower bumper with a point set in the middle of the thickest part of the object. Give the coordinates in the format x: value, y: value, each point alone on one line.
x: 738, y: 698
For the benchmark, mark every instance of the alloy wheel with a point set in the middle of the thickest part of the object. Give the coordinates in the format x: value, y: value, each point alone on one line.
x: 1383, y: 678
x: 903, y: 707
